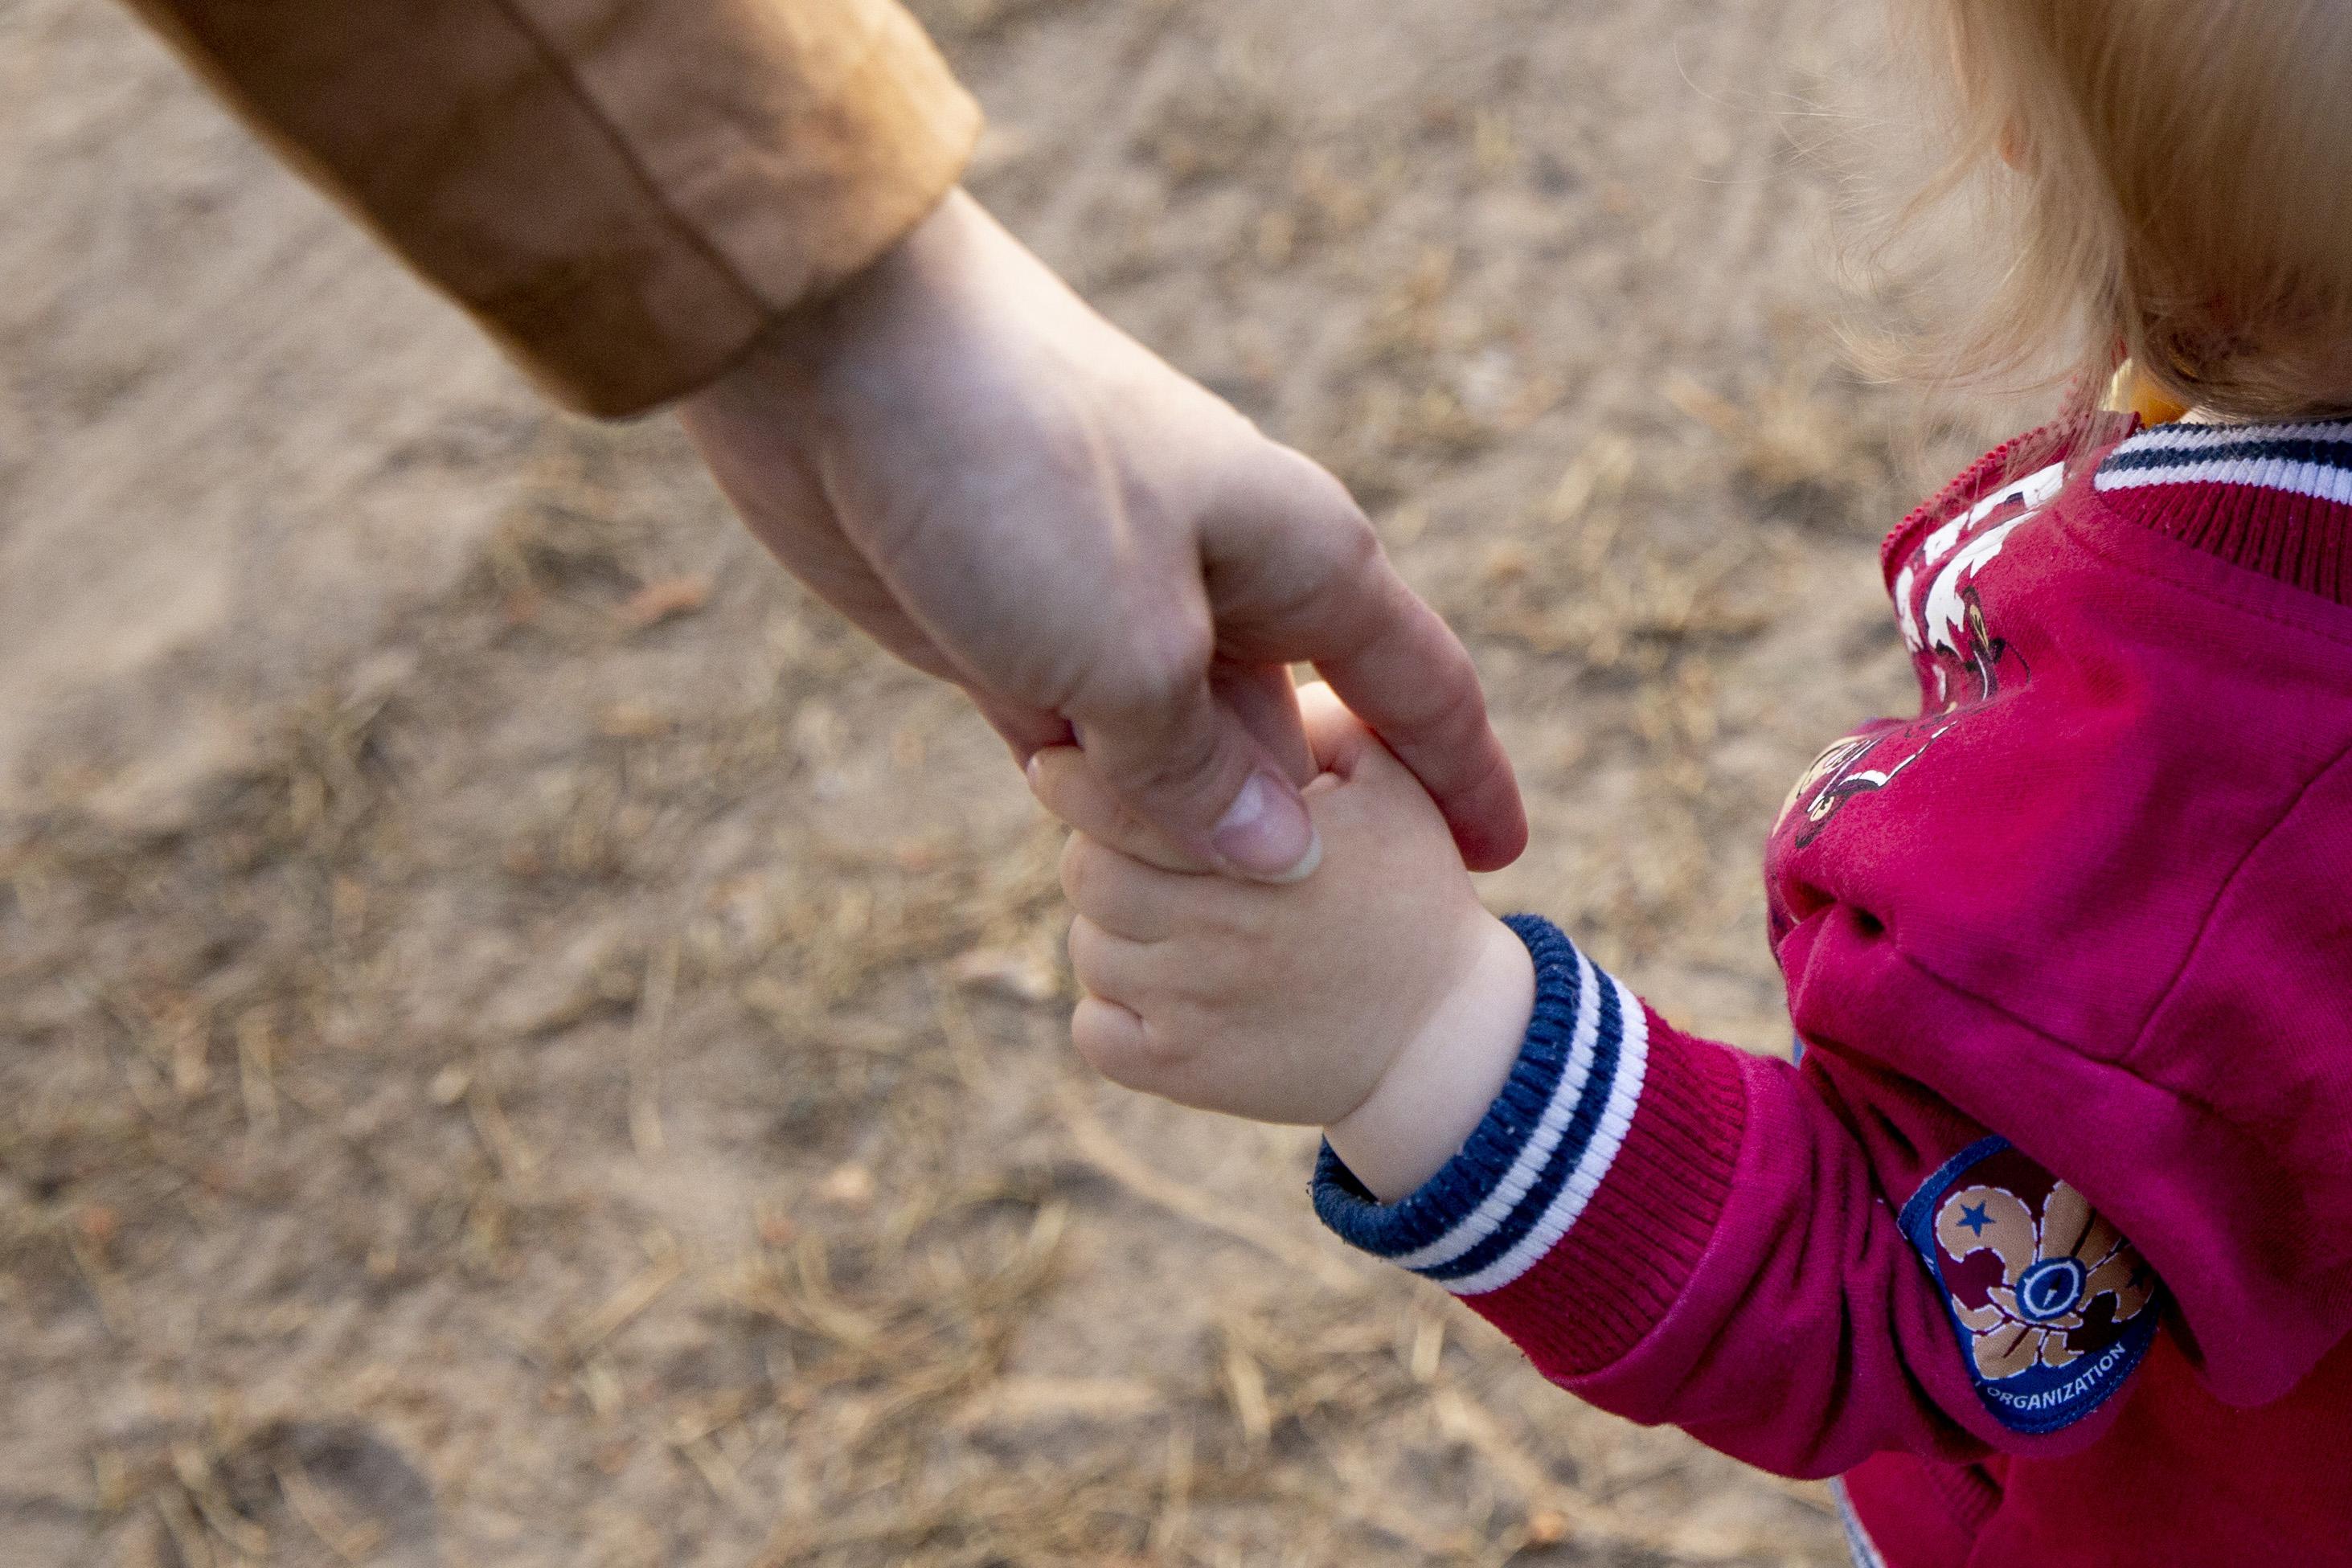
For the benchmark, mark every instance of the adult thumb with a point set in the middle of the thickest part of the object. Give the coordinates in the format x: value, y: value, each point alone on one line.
x: 1187, y: 763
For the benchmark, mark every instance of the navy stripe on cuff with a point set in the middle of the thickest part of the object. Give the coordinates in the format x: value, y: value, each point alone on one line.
x: 1523, y: 1176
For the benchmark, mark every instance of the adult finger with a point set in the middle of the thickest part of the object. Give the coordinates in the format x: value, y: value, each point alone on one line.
x: 1068, y: 786
x: 1266, y: 701
x: 1185, y: 762
x: 1025, y: 730
x: 1260, y: 697
x: 1296, y: 572
x: 1412, y: 683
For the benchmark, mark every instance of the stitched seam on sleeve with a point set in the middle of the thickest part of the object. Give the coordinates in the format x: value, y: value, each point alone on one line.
x: 1933, y: 977
x: 2212, y: 913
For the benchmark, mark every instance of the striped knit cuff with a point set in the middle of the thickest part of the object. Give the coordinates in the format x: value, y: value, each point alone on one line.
x: 1546, y: 1142
x: 1576, y: 1212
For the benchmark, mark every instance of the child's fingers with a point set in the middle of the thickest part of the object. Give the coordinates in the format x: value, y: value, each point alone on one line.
x: 1065, y: 785
x: 1110, y: 1038
x: 1110, y: 1027
x: 1110, y: 967
x: 1373, y: 774
x: 1124, y: 897
x: 1337, y: 736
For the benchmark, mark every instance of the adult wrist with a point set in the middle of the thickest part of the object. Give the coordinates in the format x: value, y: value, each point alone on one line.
x: 881, y: 309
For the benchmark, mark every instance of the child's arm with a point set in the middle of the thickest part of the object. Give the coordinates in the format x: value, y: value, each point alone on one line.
x: 1676, y: 1230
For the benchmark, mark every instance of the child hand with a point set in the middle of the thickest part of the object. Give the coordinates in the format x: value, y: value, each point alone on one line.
x: 1376, y: 998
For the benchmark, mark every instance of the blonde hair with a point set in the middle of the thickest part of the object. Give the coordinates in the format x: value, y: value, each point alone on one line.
x: 2178, y: 176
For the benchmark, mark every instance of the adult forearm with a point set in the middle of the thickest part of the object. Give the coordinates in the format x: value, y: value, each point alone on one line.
x: 624, y: 195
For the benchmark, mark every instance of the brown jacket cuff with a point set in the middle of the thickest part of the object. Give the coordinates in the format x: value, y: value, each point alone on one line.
x: 624, y: 194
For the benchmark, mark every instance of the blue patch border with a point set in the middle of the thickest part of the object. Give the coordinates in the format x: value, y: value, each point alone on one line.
x: 2097, y: 1384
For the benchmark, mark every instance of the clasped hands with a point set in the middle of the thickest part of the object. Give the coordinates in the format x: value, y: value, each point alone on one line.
x: 1377, y: 998
x: 1011, y: 493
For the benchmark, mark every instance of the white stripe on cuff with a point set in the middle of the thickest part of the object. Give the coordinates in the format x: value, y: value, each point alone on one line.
x: 1536, y: 1151
x: 1591, y: 1168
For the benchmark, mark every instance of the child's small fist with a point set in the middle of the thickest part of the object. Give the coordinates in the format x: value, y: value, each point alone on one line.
x: 1349, y: 1000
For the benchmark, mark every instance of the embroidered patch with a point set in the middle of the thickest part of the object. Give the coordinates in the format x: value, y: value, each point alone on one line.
x: 2052, y: 1307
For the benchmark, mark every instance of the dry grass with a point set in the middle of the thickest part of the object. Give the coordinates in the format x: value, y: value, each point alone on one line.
x: 211, y: 1022
x: 587, y: 1085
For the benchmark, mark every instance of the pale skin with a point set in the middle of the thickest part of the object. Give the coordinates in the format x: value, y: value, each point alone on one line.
x: 1378, y: 999
x: 1006, y: 491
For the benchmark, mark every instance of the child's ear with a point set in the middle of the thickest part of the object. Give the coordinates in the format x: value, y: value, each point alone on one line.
x: 2015, y: 150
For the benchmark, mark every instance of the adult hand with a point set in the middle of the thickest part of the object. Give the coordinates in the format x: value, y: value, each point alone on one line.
x: 1008, y: 492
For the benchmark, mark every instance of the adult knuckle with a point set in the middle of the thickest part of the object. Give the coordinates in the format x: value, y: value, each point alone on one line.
x: 1321, y: 569
x: 1155, y: 647
x: 1164, y: 665
x: 1184, y: 764
x: 1442, y: 707
x: 1346, y: 545
x: 1444, y: 722
x: 1326, y: 520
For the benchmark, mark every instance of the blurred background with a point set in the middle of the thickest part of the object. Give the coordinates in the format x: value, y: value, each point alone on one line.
x: 527, y: 1042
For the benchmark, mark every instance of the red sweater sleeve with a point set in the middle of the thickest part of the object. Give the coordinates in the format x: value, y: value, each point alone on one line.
x: 1800, y: 1266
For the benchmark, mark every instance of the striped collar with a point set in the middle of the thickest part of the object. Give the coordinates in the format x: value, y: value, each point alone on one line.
x: 2276, y: 498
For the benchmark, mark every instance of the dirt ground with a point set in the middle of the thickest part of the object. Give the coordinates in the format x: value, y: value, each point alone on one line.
x: 529, y: 1043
